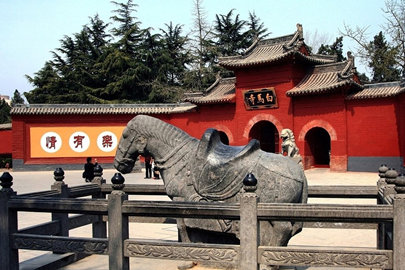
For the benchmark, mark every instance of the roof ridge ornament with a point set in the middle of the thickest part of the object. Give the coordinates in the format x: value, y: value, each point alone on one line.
x: 218, y: 78
x: 252, y: 46
x: 296, y: 40
x: 349, y: 69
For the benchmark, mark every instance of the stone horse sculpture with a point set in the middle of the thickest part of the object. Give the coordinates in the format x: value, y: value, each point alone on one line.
x: 207, y: 170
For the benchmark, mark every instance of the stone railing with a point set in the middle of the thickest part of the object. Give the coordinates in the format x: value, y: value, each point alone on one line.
x: 61, y: 201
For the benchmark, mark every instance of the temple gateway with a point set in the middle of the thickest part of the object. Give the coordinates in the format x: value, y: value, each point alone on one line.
x: 338, y: 122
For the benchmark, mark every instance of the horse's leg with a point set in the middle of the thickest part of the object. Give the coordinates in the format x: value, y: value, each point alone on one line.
x: 183, y: 237
x: 182, y: 230
x: 275, y: 233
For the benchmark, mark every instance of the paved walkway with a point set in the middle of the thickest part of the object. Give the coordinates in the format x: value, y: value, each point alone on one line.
x: 36, y: 181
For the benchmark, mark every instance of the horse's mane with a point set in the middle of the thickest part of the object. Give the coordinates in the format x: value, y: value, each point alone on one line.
x: 155, y: 128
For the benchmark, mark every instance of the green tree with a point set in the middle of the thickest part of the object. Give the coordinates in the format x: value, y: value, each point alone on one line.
x: 17, y: 98
x: 382, y: 60
x: 394, y: 29
x: 256, y: 28
x: 47, y: 85
x: 125, y: 66
x: 174, y: 47
x: 98, y: 34
x: 132, y: 64
x: 230, y: 35
x: 335, y: 49
x: 4, y: 112
x: 128, y: 30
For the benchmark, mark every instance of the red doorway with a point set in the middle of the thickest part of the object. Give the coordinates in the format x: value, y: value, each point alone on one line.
x: 317, y: 148
x: 267, y: 134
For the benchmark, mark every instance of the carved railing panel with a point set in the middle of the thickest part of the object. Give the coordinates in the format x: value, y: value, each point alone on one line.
x: 60, y: 244
x: 326, y: 257
x: 182, y: 251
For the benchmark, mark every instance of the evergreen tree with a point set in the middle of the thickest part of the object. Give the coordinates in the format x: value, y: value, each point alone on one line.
x: 17, y: 98
x: 4, y: 112
x: 128, y: 30
x: 230, y: 35
x: 47, y: 85
x: 174, y: 58
x: 256, y: 28
x: 335, y: 49
x: 98, y: 34
x: 201, y: 72
x: 125, y: 64
x: 382, y: 60
x: 174, y: 44
x: 134, y: 64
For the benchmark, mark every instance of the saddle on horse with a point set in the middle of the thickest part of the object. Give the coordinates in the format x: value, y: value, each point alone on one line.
x: 219, y: 168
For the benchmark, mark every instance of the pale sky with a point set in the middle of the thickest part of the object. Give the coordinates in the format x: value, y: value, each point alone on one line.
x: 31, y: 29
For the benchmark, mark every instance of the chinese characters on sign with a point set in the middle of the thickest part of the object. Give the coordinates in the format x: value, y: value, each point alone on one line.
x: 260, y: 98
x: 107, y: 141
x: 51, y: 142
x: 76, y: 142
x: 79, y: 141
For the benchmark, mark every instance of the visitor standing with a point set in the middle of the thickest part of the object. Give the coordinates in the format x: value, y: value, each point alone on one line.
x: 148, y: 166
x: 155, y: 170
x: 88, y: 173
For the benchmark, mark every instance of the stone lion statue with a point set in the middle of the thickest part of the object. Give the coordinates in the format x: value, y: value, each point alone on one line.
x: 289, y: 147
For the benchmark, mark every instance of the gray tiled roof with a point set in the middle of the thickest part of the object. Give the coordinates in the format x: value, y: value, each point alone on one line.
x: 379, y: 90
x: 5, y: 126
x: 221, y: 91
x: 102, y: 109
x: 325, y: 79
x: 273, y: 50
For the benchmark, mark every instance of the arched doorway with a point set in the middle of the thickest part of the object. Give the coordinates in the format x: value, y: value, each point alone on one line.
x: 317, y: 147
x: 267, y: 134
x: 223, y: 137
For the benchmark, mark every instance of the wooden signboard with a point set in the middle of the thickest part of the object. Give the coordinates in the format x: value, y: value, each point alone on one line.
x: 264, y: 98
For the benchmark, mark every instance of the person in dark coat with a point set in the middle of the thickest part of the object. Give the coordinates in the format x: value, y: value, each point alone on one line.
x: 88, y: 173
x: 148, y: 166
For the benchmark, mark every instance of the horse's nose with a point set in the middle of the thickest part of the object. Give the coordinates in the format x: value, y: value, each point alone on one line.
x: 122, y: 167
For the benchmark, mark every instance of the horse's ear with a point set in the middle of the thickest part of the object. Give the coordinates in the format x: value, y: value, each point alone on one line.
x: 138, y: 144
x: 142, y: 140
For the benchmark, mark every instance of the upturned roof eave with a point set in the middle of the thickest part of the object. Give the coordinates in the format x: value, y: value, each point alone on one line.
x: 277, y: 59
x: 321, y: 90
x: 94, y: 109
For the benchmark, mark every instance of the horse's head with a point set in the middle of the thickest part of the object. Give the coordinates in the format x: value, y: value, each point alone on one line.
x: 130, y: 146
x: 146, y: 134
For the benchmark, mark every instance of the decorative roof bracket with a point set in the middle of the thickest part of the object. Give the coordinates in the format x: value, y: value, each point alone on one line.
x: 349, y: 69
x: 297, y: 39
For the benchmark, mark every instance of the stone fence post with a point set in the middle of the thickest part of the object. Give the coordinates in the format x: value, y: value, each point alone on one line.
x: 60, y: 186
x: 117, y: 225
x: 381, y: 185
x: 399, y: 224
x: 381, y: 173
x: 8, y: 225
x: 249, y: 228
x: 100, y: 226
x: 390, y: 176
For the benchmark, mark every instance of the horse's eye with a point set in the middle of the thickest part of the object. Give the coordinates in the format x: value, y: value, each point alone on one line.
x: 125, y: 133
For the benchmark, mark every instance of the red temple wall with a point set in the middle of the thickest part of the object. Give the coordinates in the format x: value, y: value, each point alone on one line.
x: 327, y: 112
x: 6, y: 138
x: 22, y: 125
x: 277, y: 77
x: 373, y: 127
